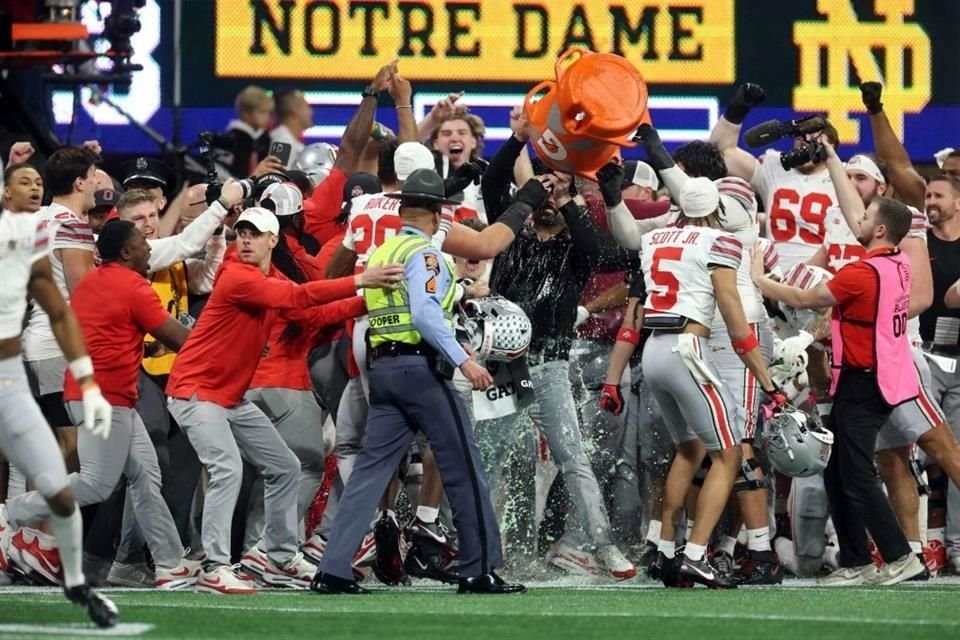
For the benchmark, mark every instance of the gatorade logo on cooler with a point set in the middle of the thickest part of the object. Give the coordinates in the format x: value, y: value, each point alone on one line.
x: 551, y: 146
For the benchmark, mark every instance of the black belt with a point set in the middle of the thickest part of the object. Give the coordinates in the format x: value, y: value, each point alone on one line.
x: 952, y: 350
x: 394, y: 349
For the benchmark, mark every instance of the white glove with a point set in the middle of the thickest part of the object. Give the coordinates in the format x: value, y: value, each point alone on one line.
x: 792, y: 348
x: 582, y: 315
x: 97, y: 412
x: 941, y: 156
x: 329, y: 436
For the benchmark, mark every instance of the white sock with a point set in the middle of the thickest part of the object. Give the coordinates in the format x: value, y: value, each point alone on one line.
x: 69, y: 534
x: 758, y: 539
x: 916, y: 546
x: 689, y: 529
x: 653, y: 531
x: 728, y: 545
x: 428, y: 514
x: 667, y: 548
x: 695, y: 551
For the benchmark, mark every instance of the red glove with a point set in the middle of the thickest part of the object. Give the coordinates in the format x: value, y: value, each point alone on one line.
x: 611, y: 399
x: 777, y: 399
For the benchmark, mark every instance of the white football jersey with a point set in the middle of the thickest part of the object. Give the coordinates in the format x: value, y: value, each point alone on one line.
x: 374, y: 219
x: 23, y: 241
x: 66, y: 231
x: 796, y: 206
x: 739, y: 218
x: 677, y: 263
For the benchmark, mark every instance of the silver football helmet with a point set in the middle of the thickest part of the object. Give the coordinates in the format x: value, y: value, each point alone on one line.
x: 499, y: 329
x: 795, y: 444
x: 804, y: 276
x: 316, y: 160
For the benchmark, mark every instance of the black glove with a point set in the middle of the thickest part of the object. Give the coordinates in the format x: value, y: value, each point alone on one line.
x: 657, y: 154
x: 533, y: 194
x: 870, y: 92
x: 213, y: 192
x: 466, y: 174
x: 610, y: 179
x: 748, y: 96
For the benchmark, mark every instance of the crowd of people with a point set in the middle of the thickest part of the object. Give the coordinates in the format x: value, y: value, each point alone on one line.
x: 638, y: 366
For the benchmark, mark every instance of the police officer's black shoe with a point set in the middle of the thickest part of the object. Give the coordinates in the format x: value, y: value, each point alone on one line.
x: 488, y: 583
x: 330, y: 584
x: 100, y: 608
x: 703, y: 572
x: 388, y: 565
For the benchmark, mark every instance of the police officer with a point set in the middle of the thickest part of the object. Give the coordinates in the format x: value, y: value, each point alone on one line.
x: 413, y: 351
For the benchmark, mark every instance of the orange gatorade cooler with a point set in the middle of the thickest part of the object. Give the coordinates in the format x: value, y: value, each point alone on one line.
x: 579, y: 122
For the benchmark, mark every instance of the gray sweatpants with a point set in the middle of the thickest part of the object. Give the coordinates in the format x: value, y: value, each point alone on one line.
x: 553, y: 412
x: 299, y: 421
x: 128, y: 452
x: 220, y: 435
x: 947, y: 394
x: 25, y: 437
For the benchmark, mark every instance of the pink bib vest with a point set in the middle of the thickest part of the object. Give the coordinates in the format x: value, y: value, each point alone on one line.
x: 897, y: 380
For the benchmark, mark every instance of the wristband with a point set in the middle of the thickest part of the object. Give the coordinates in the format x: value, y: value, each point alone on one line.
x: 746, y: 345
x: 81, y: 368
x: 628, y: 335
x: 403, y: 106
x: 369, y: 92
x: 515, y: 216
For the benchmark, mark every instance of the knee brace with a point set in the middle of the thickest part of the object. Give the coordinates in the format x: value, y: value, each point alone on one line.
x: 751, y: 476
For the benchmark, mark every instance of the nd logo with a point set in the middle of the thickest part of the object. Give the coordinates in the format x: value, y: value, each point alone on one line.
x: 847, y: 41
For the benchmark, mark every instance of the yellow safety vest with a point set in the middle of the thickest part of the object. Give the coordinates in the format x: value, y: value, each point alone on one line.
x: 389, y: 310
x: 172, y: 287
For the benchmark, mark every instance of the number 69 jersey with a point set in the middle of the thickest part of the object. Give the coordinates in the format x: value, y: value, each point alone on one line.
x: 677, y: 263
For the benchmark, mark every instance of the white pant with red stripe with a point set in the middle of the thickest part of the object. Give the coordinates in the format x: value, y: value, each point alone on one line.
x: 736, y: 377
x: 691, y: 408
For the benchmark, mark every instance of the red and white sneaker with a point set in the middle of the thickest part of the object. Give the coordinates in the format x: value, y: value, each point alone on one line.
x: 183, y: 577
x: 296, y: 574
x: 224, y: 581
x: 314, y: 547
x: 935, y: 556
x: 367, y: 552
x: 254, y: 561
x: 6, y: 534
x: 573, y: 560
x: 36, y: 551
x: 615, y: 563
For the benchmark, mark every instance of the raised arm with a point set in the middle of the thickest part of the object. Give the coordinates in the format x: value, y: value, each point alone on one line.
x: 358, y: 129
x: 726, y: 132
x: 909, y: 184
x: 847, y: 196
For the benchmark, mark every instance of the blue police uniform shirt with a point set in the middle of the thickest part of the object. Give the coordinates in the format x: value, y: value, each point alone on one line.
x: 427, y: 284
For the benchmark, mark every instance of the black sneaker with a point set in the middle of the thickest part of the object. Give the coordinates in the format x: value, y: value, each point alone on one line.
x: 100, y: 609
x: 665, y: 570
x: 703, y: 572
x: 724, y: 563
x: 388, y: 565
x: 647, y: 557
x: 760, y: 568
x: 430, y: 555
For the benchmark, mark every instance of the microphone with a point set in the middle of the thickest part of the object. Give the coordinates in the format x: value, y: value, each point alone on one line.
x: 768, y: 132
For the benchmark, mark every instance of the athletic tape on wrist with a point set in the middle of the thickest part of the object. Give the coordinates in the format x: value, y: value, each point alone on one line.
x: 81, y: 368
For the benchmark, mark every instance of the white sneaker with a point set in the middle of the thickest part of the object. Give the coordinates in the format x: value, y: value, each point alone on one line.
x: 184, y: 576
x: 848, y: 576
x: 134, y: 576
x: 367, y: 552
x: 573, y: 560
x: 611, y: 559
x: 296, y: 574
x: 223, y: 580
x: 254, y: 561
x: 897, y: 571
x: 314, y: 548
x: 954, y: 564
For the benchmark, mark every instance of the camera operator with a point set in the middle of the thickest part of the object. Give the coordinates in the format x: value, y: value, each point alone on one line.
x: 246, y: 141
x: 796, y: 199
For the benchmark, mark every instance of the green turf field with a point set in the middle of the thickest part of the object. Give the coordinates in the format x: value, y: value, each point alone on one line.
x: 549, y: 612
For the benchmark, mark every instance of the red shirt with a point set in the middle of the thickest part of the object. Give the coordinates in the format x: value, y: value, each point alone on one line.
x: 309, y: 264
x: 221, y: 355
x: 285, y: 364
x: 857, y: 291
x: 327, y: 199
x: 116, y: 307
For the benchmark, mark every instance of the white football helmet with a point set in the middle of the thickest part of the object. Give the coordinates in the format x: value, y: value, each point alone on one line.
x: 803, y: 276
x: 499, y: 329
x: 795, y: 444
x: 316, y: 160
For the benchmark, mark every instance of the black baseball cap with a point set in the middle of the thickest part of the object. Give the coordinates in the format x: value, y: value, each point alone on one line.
x: 359, y: 184
x: 105, y: 198
x: 425, y: 185
x: 149, y: 170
